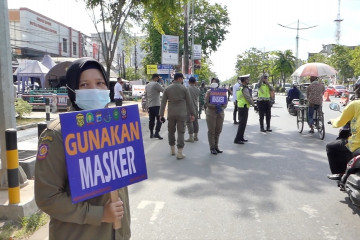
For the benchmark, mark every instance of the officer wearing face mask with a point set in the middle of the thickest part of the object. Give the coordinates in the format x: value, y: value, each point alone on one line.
x: 86, y: 82
x: 214, y: 119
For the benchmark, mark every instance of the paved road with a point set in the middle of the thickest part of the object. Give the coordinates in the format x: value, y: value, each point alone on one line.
x: 273, y: 187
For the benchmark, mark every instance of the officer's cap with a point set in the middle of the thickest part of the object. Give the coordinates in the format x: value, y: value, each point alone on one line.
x: 244, y: 77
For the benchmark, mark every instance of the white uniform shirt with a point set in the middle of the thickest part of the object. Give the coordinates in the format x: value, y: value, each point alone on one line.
x: 235, y: 88
x: 117, y: 89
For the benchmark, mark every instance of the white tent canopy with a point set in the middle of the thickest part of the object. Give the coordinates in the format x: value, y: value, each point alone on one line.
x: 32, y: 69
x: 48, y: 62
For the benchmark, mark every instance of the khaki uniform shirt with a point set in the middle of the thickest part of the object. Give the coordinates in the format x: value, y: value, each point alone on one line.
x: 194, y: 94
x: 152, y: 93
x: 79, y: 221
x: 179, y: 101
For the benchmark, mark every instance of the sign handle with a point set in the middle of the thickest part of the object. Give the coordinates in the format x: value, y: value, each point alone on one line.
x: 114, y: 197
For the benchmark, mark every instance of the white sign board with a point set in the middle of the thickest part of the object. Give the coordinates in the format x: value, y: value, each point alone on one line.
x: 138, y: 90
x: 197, y: 51
x: 170, y: 50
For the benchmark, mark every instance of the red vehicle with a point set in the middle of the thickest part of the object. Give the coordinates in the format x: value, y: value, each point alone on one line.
x: 336, y: 90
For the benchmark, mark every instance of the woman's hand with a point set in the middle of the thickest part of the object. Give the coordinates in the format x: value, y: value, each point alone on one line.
x: 113, y: 211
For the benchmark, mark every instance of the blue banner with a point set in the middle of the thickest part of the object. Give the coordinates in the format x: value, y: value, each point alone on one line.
x: 104, y: 150
x: 218, y: 96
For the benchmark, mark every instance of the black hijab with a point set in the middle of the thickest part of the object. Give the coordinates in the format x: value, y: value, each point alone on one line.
x: 73, y: 75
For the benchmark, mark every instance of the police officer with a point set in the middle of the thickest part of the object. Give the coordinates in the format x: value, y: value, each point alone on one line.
x: 265, y: 93
x: 179, y: 101
x: 214, y: 119
x: 152, y: 94
x: 244, y: 100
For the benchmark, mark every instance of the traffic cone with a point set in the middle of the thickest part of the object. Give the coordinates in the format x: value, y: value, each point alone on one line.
x: 326, y: 96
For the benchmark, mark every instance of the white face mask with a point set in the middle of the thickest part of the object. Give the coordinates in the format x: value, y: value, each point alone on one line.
x: 89, y: 99
x: 214, y: 85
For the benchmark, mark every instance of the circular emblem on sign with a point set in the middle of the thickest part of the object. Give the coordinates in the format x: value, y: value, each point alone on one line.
x: 80, y: 121
x: 123, y: 113
x: 116, y: 114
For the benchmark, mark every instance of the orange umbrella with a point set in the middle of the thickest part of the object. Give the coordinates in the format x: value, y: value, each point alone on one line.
x: 315, y: 69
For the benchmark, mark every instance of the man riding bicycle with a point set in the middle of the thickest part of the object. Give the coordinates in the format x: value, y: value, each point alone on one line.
x: 314, y: 94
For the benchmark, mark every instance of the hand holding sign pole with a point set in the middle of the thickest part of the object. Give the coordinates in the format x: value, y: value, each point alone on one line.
x: 114, y: 197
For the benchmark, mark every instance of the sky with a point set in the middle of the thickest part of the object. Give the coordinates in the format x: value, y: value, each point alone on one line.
x: 254, y: 23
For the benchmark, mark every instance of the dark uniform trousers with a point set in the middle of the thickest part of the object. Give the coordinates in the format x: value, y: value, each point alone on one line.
x: 264, y: 107
x: 235, y: 110
x: 243, y: 117
x: 154, y: 114
x: 176, y: 124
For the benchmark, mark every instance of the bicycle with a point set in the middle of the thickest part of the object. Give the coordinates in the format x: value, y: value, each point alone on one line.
x: 302, y: 115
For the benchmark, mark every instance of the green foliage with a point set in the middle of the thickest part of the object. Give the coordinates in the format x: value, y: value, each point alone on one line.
x: 131, y: 75
x: 340, y: 59
x: 205, y: 73
x: 24, y: 227
x: 318, y: 57
x: 22, y: 107
x: 355, y: 61
x: 253, y: 62
x: 210, y: 23
x: 284, y: 64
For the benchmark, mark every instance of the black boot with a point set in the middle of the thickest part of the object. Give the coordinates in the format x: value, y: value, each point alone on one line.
x: 157, y: 135
x: 268, y: 129
x: 262, y: 129
x: 151, y: 134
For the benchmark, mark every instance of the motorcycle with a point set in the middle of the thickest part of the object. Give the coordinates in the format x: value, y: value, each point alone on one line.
x: 350, y: 180
x: 292, y: 107
x: 144, y: 103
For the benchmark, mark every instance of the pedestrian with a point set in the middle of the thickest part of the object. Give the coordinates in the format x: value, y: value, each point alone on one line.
x: 264, y: 102
x: 152, y: 94
x: 314, y: 94
x: 179, y: 100
x: 244, y: 101
x: 193, y: 126
x: 214, y: 118
x: 202, y: 106
x: 236, y: 87
x: 229, y: 91
x: 92, y: 218
x: 118, y: 92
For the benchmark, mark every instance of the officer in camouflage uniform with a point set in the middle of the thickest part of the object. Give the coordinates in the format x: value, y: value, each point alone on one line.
x: 202, y: 99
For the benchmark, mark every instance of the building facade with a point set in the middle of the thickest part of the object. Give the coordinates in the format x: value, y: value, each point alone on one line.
x: 32, y: 35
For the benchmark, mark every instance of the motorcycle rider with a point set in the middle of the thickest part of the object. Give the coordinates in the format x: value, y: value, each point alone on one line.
x: 341, y: 150
x: 293, y: 93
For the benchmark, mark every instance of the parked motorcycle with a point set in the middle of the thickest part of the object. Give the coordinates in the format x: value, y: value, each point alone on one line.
x: 350, y: 180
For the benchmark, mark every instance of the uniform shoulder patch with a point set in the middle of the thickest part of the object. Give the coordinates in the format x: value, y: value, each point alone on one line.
x: 42, y: 152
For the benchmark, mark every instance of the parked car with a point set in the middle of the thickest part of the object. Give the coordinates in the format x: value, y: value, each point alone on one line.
x: 336, y: 90
x: 254, y: 92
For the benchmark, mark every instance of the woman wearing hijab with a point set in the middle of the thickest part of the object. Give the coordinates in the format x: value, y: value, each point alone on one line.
x: 214, y: 119
x: 86, y: 82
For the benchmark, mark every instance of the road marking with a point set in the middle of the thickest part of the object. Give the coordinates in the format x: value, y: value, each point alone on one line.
x: 158, y: 206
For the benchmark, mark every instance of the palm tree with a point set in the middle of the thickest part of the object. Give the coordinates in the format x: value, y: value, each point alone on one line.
x: 284, y: 64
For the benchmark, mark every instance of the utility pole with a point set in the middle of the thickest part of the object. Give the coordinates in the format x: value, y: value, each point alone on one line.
x: 7, y: 108
x: 338, y: 20
x: 297, y: 38
x: 186, y: 38
x: 192, y: 37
